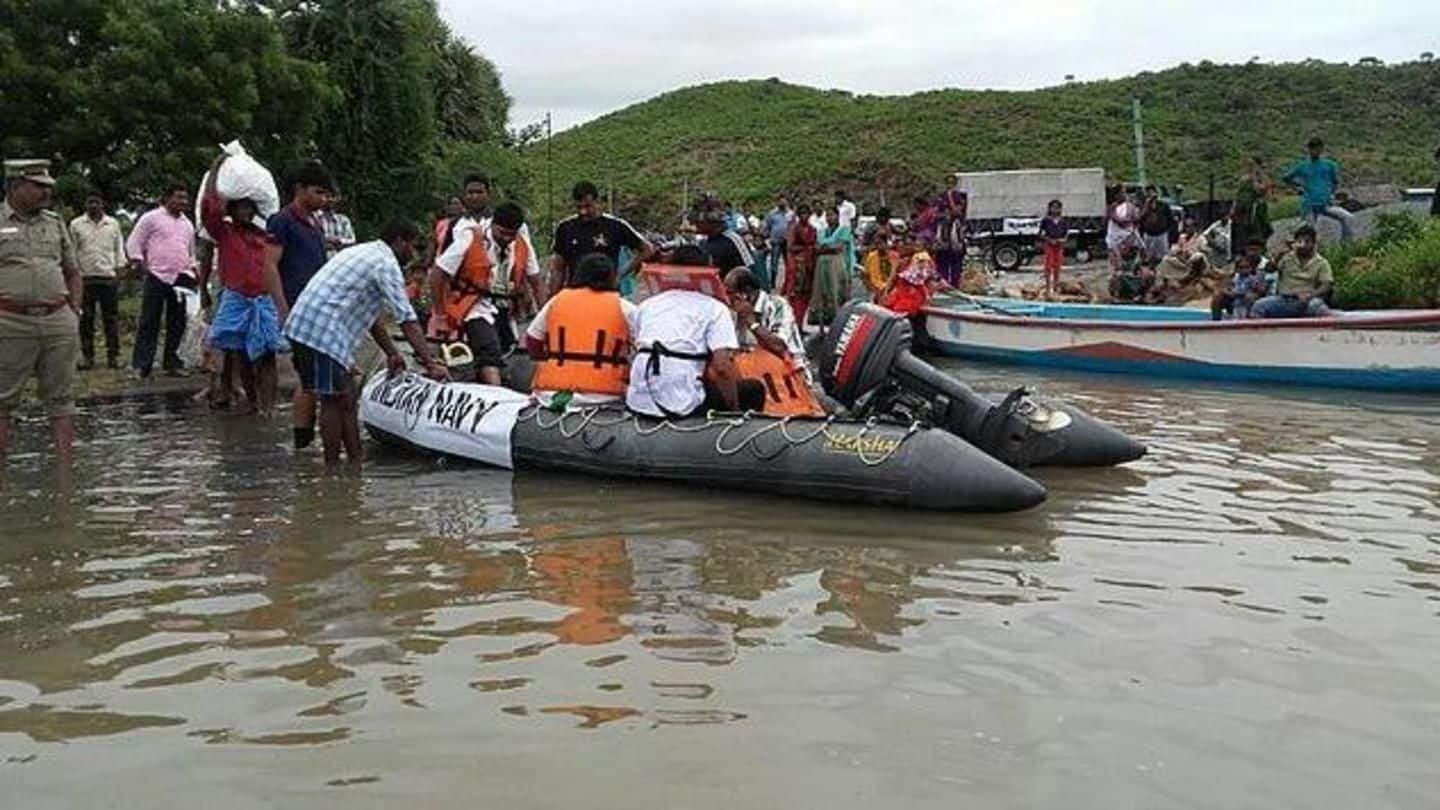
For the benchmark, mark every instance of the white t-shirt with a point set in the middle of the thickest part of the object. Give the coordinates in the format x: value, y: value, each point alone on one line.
x: 536, y: 330
x: 776, y: 316
x: 449, y: 262
x: 687, y: 322
x: 847, y: 214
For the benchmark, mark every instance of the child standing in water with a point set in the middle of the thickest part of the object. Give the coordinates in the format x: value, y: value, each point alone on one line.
x: 1053, y: 233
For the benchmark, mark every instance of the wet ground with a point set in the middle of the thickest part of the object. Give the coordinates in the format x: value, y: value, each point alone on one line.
x: 1250, y: 617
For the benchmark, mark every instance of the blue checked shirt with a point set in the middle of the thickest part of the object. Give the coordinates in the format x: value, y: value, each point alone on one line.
x: 344, y: 299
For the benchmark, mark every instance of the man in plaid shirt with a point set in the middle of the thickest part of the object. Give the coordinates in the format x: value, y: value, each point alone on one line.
x: 340, y: 304
x: 339, y: 233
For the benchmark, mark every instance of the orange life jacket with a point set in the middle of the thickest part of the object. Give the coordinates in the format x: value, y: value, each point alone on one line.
x: 587, y: 343
x: 658, y: 278
x: 472, y: 281
x: 591, y: 575
x: 787, y: 393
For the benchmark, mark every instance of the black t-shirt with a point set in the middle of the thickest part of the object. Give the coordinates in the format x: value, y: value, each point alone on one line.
x: 727, y: 251
x: 576, y: 238
x: 1156, y: 219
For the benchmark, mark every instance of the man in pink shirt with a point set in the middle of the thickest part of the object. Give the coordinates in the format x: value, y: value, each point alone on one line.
x: 163, y: 244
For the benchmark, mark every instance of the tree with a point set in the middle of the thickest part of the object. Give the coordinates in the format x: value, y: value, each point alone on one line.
x: 470, y: 102
x: 130, y: 96
x: 526, y: 135
x: 380, y: 138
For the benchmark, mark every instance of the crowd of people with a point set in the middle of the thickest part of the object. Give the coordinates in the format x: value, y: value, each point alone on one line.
x: 729, y: 303
x: 817, y: 256
x: 1150, y: 258
x: 57, y: 277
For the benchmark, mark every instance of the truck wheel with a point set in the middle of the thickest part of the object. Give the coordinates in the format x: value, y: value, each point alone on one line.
x: 1083, y: 256
x: 1007, y: 256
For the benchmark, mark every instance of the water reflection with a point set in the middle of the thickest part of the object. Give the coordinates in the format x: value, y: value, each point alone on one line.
x: 212, y: 591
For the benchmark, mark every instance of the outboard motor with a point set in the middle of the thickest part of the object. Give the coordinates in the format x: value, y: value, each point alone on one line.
x: 865, y: 363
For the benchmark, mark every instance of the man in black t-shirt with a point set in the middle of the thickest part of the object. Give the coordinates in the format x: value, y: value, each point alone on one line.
x: 1156, y: 220
x: 725, y: 248
x: 590, y: 231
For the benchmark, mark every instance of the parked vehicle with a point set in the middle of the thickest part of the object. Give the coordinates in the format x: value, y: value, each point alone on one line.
x: 1005, y: 209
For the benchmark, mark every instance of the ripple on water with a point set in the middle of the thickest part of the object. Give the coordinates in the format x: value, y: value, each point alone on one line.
x: 1269, y: 570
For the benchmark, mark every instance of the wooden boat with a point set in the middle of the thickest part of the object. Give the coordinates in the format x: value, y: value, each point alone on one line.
x: 1395, y: 350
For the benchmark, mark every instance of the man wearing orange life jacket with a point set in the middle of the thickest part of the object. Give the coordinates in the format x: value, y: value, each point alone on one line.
x: 582, y: 338
x: 478, y: 283
x: 772, y: 348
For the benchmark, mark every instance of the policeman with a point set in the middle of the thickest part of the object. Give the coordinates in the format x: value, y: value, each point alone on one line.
x: 40, y: 296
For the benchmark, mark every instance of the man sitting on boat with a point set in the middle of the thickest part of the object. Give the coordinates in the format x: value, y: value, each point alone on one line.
x: 772, y: 349
x: 685, y: 352
x: 764, y: 319
x: 1306, y: 279
x: 581, y: 338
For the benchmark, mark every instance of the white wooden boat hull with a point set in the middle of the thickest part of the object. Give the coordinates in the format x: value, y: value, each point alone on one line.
x: 1398, y: 351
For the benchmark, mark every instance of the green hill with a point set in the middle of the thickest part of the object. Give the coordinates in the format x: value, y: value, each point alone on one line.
x: 748, y: 140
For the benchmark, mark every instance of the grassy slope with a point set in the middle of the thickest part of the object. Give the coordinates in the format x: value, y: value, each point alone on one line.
x: 748, y: 140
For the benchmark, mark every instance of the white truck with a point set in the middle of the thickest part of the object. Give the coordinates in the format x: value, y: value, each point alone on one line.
x: 1006, y: 208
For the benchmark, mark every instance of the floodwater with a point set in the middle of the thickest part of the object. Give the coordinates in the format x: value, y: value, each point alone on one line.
x: 1248, y: 618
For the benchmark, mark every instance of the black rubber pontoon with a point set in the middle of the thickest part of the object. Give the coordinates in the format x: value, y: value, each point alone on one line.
x: 829, y: 459
x: 824, y: 459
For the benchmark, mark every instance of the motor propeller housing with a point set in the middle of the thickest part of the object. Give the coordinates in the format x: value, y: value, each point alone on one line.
x: 866, y: 364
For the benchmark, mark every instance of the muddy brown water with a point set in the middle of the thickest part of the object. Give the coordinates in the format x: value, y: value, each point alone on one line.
x: 1249, y: 617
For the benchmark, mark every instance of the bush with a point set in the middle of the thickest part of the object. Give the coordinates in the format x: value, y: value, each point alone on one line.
x: 1394, y: 230
x: 1285, y: 208
x: 1367, y: 283
x: 1398, y: 267
x: 1418, y: 261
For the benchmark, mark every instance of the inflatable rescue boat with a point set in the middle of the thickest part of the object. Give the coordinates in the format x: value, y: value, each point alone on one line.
x: 905, y: 435
x: 829, y: 459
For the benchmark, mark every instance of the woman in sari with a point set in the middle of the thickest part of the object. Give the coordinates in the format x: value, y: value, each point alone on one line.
x: 834, y: 259
x: 800, y: 262
x: 923, y: 218
x: 1250, y: 216
x: 949, y: 243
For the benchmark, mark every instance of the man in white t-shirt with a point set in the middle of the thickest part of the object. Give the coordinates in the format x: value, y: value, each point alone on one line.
x: 846, y: 208
x: 488, y: 324
x: 685, y: 346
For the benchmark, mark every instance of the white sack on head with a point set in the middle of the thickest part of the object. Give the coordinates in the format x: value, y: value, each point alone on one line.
x: 241, y: 177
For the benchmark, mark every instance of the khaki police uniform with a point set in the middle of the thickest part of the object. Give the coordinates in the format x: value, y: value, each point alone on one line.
x: 37, y: 337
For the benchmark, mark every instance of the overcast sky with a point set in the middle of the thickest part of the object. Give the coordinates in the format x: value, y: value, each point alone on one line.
x: 581, y: 59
